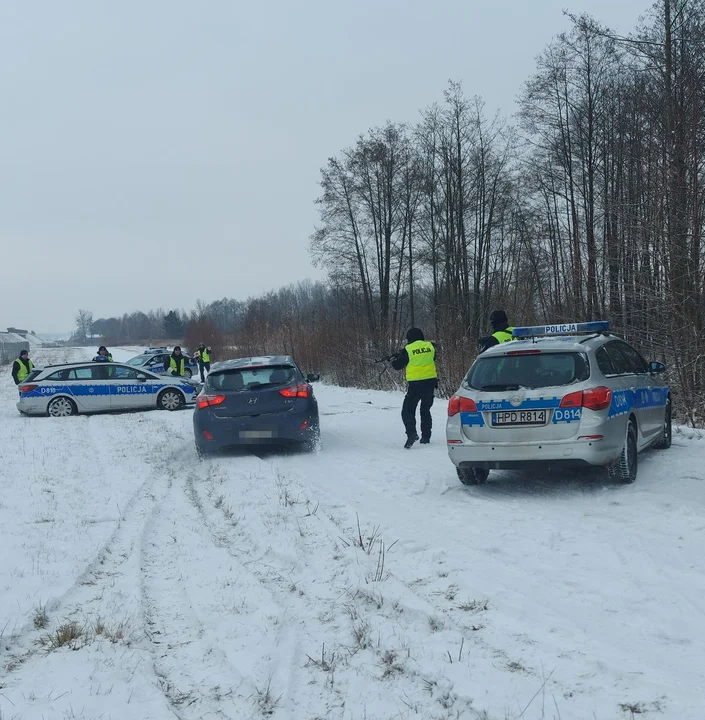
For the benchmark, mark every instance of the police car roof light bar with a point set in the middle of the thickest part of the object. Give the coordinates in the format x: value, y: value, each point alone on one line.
x: 598, y: 326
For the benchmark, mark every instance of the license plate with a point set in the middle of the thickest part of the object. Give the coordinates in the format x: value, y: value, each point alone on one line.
x: 508, y: 418
x: 256, y: 434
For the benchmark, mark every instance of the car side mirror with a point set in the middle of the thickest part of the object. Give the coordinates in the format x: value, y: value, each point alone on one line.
x: 313, y: 377
x: 142, y: 378
x: 656, y: 368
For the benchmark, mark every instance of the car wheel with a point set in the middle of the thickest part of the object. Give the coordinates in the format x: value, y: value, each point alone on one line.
x: 202, y: 451
x: 313, y: 441
x: 188, y: 373
x: 624, y: 470
x: 62, y: 407
x: 667, y: 435
x: 473, y: 476
x: 170, y: 400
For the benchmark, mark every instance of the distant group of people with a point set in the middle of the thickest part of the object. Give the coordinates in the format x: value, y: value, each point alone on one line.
x: 418, y: 359
x: 176, y: 362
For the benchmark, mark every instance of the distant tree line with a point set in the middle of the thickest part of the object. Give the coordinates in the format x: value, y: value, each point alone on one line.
x: 590, y: 205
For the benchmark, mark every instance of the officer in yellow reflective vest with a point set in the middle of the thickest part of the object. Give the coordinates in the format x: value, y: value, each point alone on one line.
x: 21, y: 367
x: 419, y: 359
x: 203, y: 355
x: 176, y: 362
x: 501, y: 332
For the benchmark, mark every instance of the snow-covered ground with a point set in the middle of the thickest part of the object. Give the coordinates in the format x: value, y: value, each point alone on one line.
x: 363, y: 581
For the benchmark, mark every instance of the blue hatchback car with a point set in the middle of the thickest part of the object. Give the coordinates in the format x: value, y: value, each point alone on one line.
x: 256, y: 401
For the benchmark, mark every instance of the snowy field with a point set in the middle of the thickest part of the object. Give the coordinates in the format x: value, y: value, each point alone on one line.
x: 361, y: 582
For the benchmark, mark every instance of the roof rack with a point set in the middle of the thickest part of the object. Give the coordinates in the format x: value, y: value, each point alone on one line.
x: 598, y: 326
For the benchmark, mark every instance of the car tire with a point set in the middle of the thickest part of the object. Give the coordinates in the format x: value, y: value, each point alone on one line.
x: 188, y: 373
x: 473, y: 476
x: 313, y: 441
x: 202, y: 452
x: 667, y: 435
x: 170, y: 400
x: 61, y: 407
x: 625, y: 469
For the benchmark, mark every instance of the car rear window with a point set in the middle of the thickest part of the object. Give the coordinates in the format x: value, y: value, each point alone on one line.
x: 251, y: 378
x: 539, y: 370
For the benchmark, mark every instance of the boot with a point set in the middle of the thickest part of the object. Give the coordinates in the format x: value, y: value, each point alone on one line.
x: 425, y: 439
x: 410, y: 440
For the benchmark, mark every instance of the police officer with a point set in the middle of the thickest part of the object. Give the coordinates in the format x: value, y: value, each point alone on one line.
x: 501, y: 331
x: 22, y: 367
x: 103, y: 355
x: 203, y: 355
x: 176, y: 362
x: 419, y: 359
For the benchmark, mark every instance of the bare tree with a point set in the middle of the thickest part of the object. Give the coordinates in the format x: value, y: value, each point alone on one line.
x: 84, y: 324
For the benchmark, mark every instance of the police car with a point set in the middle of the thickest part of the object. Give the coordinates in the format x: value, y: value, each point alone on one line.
x: 72, y: 388
x: 558, y: 395
x: 153, y: 359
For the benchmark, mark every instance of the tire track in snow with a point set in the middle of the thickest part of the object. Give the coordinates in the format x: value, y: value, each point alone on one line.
x: 186, y: 576
x: 337, y: 598
x: 107, y: 562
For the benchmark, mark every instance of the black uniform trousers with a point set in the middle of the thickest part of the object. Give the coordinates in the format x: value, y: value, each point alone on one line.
x: 204, y: 366
x: 419, y: 391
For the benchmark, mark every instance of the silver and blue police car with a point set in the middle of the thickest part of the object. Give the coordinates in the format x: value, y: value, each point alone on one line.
x: 89, y: 387
x: 558, y: 395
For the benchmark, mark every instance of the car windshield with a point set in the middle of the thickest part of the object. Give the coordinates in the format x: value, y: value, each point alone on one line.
x: 531, y: 370
x: 139, y: 360
x: 251, y: 378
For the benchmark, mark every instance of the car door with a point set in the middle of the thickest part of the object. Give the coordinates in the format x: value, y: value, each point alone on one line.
x: 647, y: 396
x: 129, y: 388
x: 155, y: 364
x: 617, y: 373
x: 88, y: 387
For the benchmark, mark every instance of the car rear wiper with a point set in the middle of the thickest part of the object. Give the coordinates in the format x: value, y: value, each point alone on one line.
x: 499, y: 386
x: 259, y: 386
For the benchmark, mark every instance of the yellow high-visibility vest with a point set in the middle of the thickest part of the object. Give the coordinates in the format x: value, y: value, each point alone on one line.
x: 422, y: 361
x: 503, y: 336
x: 174, y: 366
x: 24, y: 369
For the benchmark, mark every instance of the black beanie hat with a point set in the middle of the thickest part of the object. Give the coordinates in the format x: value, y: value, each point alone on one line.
x: 414, y: 334
x: 498, y: 316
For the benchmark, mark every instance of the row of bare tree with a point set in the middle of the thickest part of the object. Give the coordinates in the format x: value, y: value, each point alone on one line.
x: 590, y: 206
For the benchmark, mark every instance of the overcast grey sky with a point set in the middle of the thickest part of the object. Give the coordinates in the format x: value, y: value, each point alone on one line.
x: 156, y: 152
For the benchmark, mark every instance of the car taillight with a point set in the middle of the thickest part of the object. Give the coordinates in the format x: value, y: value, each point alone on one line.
x: 524, y: 352
x: 598, y: 398
x: 296, y: 391
x: 28, y: 388
x: 458, y: 404
x: 573, y: 400
x: 204, y: 401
